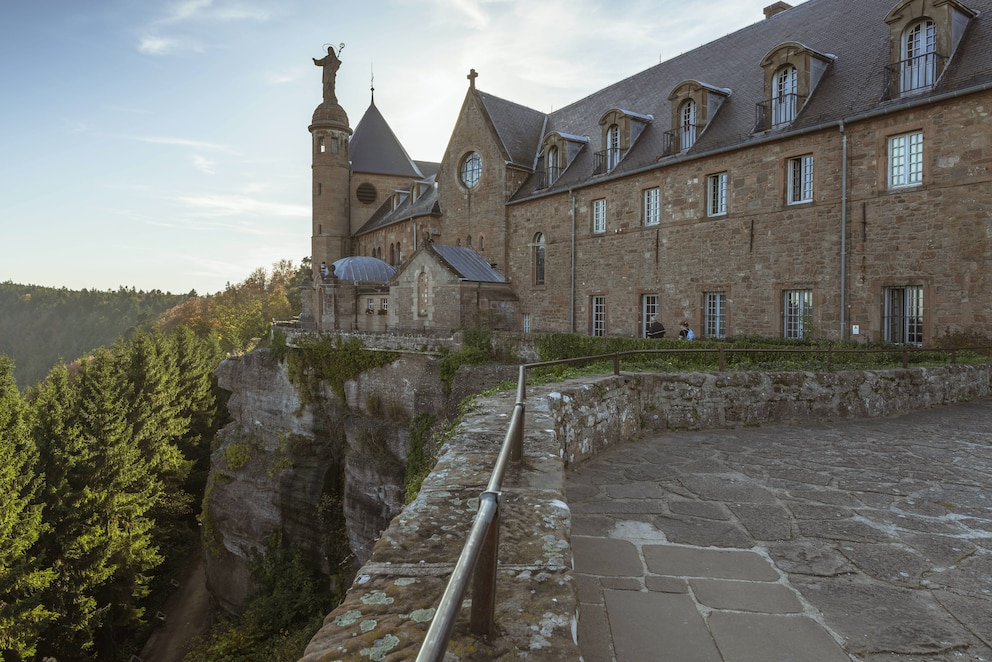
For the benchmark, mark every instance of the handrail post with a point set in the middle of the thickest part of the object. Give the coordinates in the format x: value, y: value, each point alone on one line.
x: 616, y: 363
x: 522, y: 384
x: 905, y: 358
x: 517, y: 433
x: 721, y: 359
x: 483, y: 615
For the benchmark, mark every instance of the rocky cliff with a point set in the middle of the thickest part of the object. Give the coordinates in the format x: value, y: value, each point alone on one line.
x: 327, y: 474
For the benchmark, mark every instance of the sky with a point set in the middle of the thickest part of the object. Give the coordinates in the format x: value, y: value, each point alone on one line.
x: 163, y: 145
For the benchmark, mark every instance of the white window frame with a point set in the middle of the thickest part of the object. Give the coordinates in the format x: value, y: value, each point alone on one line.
x: 784, y: 100
x: 553, y: 164
x: 918, y: 68
x: 612, y: 147
x: 716, y: 194
x: 649, y: 310
x: 903, y: 317
x: 597, y: 317
x: 687, y: 125
x: 526, y: 322
x: 800, y: 174
x: 599, y: 216
x: 652, y: 208
x: 540, y: 255
x: 797, y: 313
x: 715, y: 314
x: 905, y: 160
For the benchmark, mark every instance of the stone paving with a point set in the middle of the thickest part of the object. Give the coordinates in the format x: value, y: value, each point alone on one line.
x: 850, y: 541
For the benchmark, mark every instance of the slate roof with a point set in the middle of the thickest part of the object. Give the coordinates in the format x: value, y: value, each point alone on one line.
x: 376, y: 149
x: 854, y: 31
x: 386, y: 215
x: 467, y: 264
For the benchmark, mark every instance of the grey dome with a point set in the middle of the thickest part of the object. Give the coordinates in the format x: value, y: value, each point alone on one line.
x: 362, y: 268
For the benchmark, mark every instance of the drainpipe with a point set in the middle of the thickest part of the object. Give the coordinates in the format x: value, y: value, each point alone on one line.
x: 843, y: 231
x: 571, y: 301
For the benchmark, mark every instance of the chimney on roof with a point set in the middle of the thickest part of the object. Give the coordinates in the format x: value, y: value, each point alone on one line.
x: 776, y: 8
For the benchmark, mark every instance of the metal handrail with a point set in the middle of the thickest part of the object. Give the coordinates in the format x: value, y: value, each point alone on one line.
x: 478, y: 560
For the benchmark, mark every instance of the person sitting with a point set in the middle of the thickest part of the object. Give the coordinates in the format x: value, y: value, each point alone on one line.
x: 685, y: 332
x: 656, y: 329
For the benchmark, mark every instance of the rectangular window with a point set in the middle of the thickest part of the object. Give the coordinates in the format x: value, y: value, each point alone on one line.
x: 598, y: 307
x: 715, y: 315
x: 526, y: 322
x: 906, y: 160
x: 384, y: 304
x: 716, y: 194
x: 649, y: 310
x: 599, y: 216
x: 797, y: 313
x: 800, y: 179
x: 371, y: 306
x: 904, y: 315
x: 652, y: 214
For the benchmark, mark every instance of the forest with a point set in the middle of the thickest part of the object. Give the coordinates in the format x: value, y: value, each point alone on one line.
x: 103, y: 461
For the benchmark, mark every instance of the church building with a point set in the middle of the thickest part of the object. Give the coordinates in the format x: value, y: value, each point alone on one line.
x: 823, y: 172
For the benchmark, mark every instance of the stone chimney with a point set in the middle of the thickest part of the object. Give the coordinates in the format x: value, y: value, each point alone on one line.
x: 776, y: 8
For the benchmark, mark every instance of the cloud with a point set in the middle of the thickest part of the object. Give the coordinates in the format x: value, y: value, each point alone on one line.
x: 153, y: 45
x: 184, y: 142
x: 203, y: 164
x: 240, y: 205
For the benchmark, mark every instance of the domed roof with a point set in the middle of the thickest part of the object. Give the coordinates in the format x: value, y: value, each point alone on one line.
x: 362, y: 268
x: 331, y: 113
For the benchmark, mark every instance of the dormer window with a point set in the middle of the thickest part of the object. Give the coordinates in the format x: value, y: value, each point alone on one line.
x: 792, y: 72
x: 621, y: 129
x: 693, y: 106
x: 557, y: 152
x: 923, y: 34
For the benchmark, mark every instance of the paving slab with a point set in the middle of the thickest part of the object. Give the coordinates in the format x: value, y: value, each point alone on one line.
x: 861, y: 541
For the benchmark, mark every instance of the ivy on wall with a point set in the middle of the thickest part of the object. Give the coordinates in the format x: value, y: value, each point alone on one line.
x: 332, y: 360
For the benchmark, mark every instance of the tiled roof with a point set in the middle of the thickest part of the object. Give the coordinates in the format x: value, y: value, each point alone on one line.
x: 854, y: 31
x: 467, y: 264
x: 376, y: 149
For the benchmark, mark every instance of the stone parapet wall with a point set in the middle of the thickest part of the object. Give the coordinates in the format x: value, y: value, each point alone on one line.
x: 388, y: 609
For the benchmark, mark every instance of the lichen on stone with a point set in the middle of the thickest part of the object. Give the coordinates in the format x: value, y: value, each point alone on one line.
x: 347, y: 618
x: 377, y: 598
x: 380, y: 648
x: 368, y: 624
x: 422, y: 615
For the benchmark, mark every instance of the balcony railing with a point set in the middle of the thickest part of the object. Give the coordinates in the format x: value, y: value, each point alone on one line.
x: 680, y: 139
x: 778, y: 111
x: 606, y: 161
x: 913, y: 75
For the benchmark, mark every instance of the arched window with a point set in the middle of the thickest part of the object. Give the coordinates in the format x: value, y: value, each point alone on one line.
x: 784, y: 96
x: 612, y: 147
x: 538, y: 248
x: 392, y: 254
x: 553, y: 164
x: 482, y: 243
x: 919, y: 57
x: 687, y: 125
x: 468, y: 241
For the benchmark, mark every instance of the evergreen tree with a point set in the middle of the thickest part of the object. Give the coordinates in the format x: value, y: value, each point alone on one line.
x: 22, y: 578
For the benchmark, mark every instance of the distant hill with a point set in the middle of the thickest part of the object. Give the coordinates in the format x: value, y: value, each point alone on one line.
x: 41, y: 325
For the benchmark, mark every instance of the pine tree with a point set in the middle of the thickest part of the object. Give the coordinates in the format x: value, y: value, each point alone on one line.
x: 22, y: 578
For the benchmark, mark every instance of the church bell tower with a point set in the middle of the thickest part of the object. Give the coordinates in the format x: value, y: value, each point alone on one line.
x: 331, y: 172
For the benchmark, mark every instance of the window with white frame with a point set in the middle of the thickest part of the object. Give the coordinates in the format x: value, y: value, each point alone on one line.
x: 784, y: 97
x: 384, y: 304
x: 715, y: 314
x: 553, y: 164
x: 371, y: 306
x: 716, y: 194
x: 652, y: 213
x: 649, y: 310
x: 918, y: 70
x: 612, y: 147
x: 687, y: 125
x: 599, y: 216
x: 538, y: 248
x: 800, y: 187
x: 797, y: 313
x: 906, y: 160
x: 903, y: 321
x: 526, y: 322
x: 598, y: 316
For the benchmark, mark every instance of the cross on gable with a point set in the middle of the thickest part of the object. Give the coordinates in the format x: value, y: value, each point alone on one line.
x: 472, y: 75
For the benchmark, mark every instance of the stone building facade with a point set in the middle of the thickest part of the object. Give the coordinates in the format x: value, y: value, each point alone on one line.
x: 824, y: 172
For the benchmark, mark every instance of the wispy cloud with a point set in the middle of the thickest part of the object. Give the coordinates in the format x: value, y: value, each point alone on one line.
x: 235, y: 205
x: 184, y: 142
x: 203, y: 164
x: 157, y: 45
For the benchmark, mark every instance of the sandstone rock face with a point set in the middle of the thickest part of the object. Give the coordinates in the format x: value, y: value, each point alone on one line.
x: 302, y: 468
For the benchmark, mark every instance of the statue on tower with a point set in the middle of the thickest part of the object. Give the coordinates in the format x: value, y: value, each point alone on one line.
x: 330, y: 64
